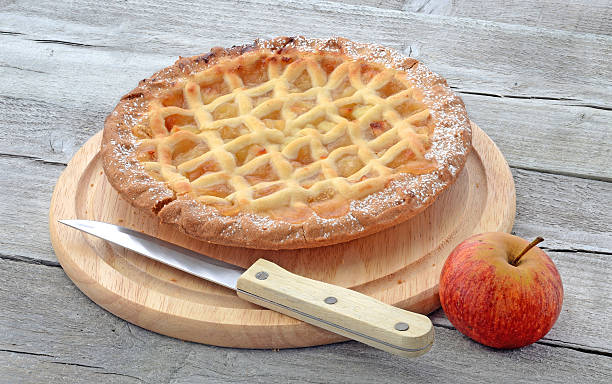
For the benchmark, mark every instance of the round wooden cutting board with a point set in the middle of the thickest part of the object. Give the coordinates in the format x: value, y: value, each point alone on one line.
x: 399, y: 266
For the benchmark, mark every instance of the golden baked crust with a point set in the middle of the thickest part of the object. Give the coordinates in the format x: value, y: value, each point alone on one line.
x: 287, y: 143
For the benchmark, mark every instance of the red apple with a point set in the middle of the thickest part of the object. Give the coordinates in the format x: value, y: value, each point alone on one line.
x: 500, y: 290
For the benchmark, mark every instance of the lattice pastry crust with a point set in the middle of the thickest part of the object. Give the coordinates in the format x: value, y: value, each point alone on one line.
x: 287, y: 143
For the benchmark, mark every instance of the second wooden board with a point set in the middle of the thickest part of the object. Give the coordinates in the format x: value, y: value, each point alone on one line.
x: 399, y: 266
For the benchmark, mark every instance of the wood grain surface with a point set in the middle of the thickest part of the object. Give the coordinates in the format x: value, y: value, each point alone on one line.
x: 536, y: 76
x: 399, y: 266
x: 574, y: 16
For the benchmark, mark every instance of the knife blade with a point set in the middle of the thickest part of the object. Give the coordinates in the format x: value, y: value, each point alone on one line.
x: 336, y: 309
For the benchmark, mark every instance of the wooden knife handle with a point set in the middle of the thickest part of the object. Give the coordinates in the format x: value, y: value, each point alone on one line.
x: 336, y: 309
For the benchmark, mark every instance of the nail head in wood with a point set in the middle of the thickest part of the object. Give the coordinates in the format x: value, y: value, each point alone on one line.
x: 402, y: 326
x: 262, y: 275
x: 331, y: 300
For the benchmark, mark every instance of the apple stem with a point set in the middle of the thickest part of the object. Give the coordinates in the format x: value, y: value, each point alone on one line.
x: 535, y: 242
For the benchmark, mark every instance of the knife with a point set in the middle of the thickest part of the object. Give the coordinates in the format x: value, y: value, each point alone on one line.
x: 336, y: 309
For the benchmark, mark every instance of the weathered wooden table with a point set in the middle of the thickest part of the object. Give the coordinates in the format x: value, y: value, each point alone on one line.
x: 537, y: 77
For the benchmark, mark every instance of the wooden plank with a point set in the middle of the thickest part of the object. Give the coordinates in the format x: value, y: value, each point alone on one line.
x: 51, y: 332
x: 20, y: 368
x: 546, y: 136
x: 569, y: 213
x: 53, y: 121
x: 474, y: 55
x: 25, y: 231
x: 385, y: 4
x: 582, y: 272
x: 574, y: 16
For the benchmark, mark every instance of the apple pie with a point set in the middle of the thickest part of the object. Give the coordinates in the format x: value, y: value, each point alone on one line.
x: 287, y: 143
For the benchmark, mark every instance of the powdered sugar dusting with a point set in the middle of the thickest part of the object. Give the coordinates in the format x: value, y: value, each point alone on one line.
x: 129, y: 171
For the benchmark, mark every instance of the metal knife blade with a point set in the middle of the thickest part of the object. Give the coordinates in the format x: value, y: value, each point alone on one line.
x: 184, y: 259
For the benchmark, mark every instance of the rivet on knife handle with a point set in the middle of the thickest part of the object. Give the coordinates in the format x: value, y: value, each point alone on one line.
x: 336, y: 309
